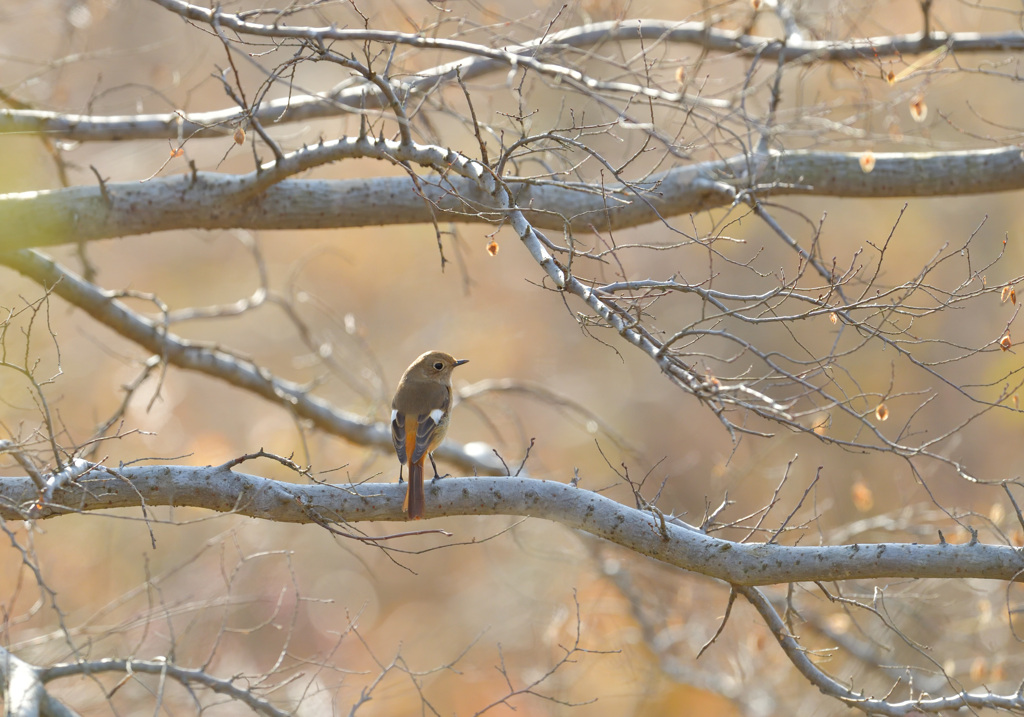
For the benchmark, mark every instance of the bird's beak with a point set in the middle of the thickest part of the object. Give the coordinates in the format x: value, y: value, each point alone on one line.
x: 461, y: 361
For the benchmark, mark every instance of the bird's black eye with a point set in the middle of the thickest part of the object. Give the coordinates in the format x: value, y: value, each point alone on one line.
x: 438, y: 365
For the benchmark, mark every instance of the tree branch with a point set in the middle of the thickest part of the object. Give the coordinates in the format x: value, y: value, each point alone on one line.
x: 479, y: 60
x: 220, y: 489
x: 218, y: 201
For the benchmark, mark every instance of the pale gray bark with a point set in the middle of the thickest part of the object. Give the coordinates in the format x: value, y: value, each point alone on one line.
x: 646, y: 532
x: 218, y: 201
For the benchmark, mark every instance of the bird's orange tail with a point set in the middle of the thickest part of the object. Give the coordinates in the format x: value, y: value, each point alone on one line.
x: 414, y: 498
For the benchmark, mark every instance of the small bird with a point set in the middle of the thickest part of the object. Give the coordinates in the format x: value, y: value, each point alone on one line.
x: 419, y: 419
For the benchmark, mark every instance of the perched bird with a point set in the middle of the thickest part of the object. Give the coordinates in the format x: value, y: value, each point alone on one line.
x: 419, y: 419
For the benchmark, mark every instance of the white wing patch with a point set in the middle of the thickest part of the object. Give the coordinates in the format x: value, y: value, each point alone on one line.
x: 435, y: 415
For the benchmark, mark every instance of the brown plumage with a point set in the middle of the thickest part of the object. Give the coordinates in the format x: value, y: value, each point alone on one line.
x: 420, y: 413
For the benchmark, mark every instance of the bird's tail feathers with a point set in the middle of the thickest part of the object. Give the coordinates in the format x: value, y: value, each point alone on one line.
x: 415, y: 501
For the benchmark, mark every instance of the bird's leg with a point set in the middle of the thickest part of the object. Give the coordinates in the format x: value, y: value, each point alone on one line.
x: 434, y: 465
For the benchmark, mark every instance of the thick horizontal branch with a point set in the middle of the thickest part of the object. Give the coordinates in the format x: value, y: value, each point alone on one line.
x: 220, y: 489
x: 218, y: 201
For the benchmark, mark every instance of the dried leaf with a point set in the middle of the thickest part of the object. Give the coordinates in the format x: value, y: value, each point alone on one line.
x: 239, y: 136
x: 177, y: 151
x: 833, y: 318
x: 867, y: 162
x: 891, y: 77
x: 918, y: 109
x: 492, y: 248
x: 1004, y: 295
x: 680, y: 74
x: 1005, y: 343
x: 863, y: 497
x: 1013, y: 296
x: 882, y: 412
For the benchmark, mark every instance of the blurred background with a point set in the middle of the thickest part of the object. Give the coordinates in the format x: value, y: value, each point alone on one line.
x: 511, y: 614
